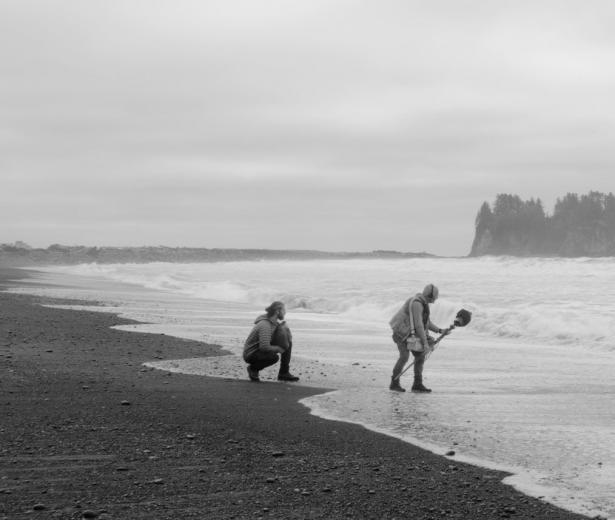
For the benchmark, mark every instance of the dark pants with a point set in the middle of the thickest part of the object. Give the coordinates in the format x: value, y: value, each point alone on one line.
x: 404, y: 355
x: 262, y: 359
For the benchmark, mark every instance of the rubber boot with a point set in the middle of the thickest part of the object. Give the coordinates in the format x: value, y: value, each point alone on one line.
x: 395, y: 386
x: 253, y: 374
x: 419, y: 387
x: 419, y: 362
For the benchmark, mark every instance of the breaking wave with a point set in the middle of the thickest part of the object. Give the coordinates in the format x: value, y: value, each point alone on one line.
x: 552, y: 301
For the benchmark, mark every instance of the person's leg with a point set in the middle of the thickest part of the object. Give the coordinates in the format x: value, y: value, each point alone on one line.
x: 261, y: 359
x: 404, y: 355
x: 283, y: 338
x: 285, y: 360
x: 419, y: 363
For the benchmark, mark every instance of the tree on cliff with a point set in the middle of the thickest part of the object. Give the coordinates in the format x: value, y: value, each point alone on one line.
x: 580, y: 226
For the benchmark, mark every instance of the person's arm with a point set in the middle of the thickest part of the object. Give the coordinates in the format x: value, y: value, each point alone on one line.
x: 434, y: 328
x: 417, y: 317
x: 265, y: 329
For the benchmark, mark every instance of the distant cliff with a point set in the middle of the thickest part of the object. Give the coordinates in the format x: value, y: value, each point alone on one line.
x: 580, y: 226
x: 20, y: 254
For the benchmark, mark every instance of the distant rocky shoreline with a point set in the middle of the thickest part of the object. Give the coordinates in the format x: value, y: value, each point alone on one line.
x: 20, y: 254
x: 579, y: 226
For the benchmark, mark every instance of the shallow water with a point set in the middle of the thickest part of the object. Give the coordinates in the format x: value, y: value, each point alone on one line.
x: 510, y: 391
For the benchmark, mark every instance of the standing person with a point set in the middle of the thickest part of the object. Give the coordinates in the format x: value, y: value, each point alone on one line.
x: 269, y: 337
x: 410, y: 325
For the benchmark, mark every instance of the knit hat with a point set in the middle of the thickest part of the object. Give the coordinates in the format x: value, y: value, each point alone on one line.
x: 431, y: 291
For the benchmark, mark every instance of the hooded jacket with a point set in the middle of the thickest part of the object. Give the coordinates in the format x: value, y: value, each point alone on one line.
x: 420, y: 316
x: 260, y: 336
x: 401, y: 324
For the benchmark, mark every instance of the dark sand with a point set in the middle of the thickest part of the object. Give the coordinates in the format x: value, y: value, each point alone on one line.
x: 86, y: 431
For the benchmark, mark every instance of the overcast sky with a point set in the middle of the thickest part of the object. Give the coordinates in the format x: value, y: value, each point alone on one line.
x: 332, y: 125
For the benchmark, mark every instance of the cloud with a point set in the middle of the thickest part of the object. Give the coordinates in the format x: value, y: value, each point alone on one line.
x: 121, y: 104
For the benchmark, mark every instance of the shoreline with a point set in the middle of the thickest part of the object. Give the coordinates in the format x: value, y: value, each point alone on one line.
x: 190, y: 446
x: 524, y: 480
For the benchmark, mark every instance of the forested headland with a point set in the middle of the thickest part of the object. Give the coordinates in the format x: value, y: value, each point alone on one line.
x: 581, y: 225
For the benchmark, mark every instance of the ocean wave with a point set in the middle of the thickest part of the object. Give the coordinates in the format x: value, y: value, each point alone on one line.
x: 533, y: 300
x: 537, y: 324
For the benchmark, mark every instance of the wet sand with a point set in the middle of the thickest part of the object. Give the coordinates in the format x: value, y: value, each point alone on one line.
x: 88, y: 431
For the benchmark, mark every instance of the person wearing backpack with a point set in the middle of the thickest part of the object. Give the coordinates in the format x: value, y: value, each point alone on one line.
x: 410, y: 325
x: 269, y: 337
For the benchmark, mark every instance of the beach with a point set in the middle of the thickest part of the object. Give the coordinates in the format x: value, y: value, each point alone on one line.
x: 89, y: 431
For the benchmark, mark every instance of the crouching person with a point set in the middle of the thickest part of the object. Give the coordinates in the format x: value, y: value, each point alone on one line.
x: 269, y: 337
